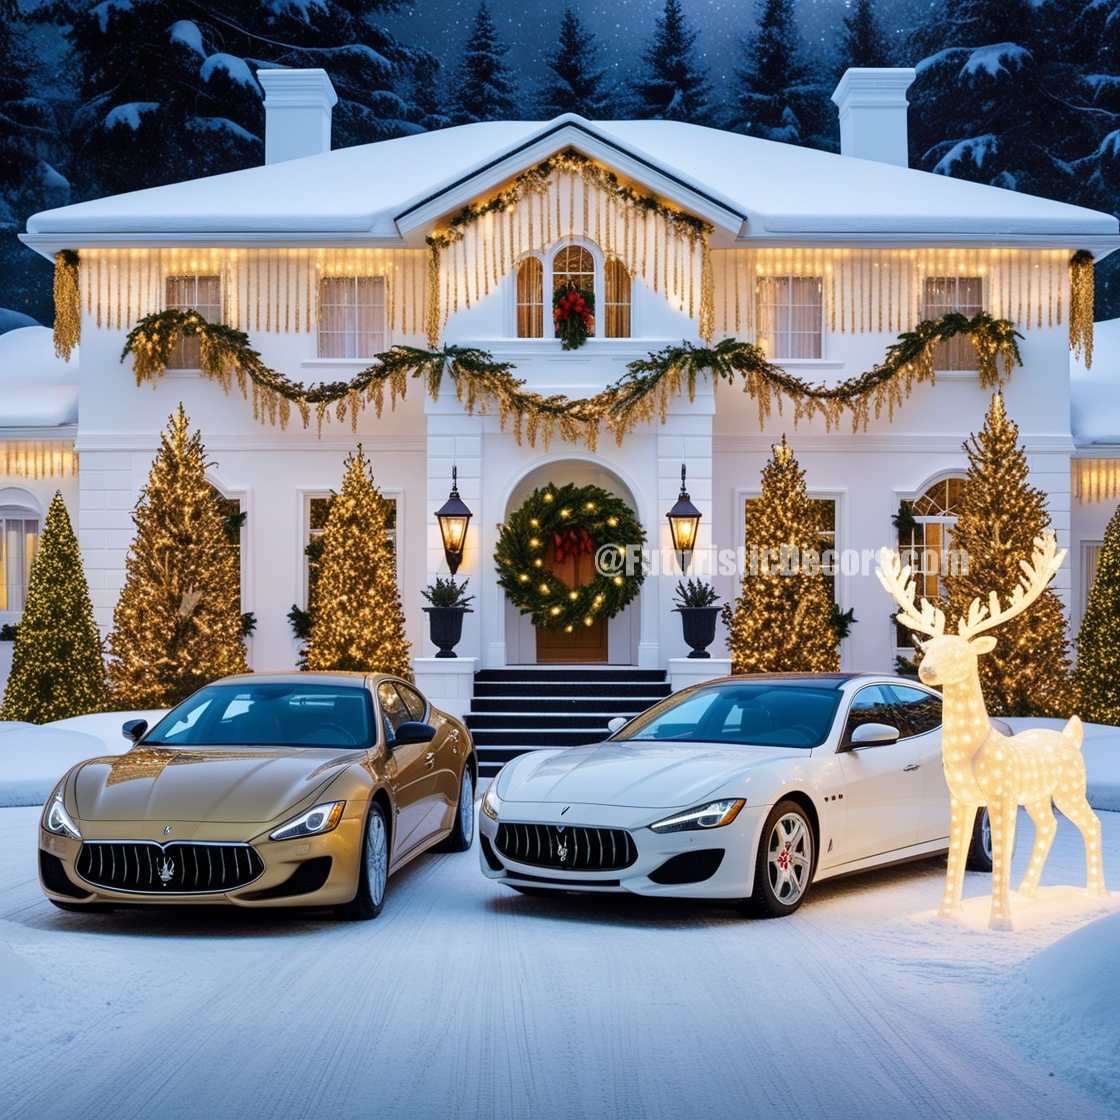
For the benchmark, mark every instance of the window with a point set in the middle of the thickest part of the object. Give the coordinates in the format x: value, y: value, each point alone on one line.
x: 790, y: 316
x: 232, y: 520
x: 351, y: 316
x: 530, y: 298
x: 318, y: 510
x: 1090, y: 560
x: 924, y: 545
x: 417, y: 708
x: 19, y: 538
x: 573, y: 264
x: 953, y: 293
x: 394, y: 712
x: 616, y: 300
x: 873, y: 704
x: 918, y: 711
x: 825, y: 509
x: 193, y: 293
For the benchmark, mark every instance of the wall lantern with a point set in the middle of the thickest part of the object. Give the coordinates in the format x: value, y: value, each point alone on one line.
x: 453, y: 517
x: 684, y: 523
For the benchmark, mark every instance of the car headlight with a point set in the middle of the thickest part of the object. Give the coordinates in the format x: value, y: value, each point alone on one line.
x: 713, y: 815
x: 57, y: 820
x: 490, y: 804
x: 312, y: 823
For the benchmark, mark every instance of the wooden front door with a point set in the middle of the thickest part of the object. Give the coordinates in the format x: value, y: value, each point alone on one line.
x: 584, y: 643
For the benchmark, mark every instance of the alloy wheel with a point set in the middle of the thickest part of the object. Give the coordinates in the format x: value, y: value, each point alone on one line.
x: 789, y: 857
x: 377, y: 858
x: 466, y: 808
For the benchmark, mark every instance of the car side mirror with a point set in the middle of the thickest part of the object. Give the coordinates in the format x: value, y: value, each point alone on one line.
x: 616, y: 724
x: 133, y: 729
x: 873, y: 735
x: 413, y: 731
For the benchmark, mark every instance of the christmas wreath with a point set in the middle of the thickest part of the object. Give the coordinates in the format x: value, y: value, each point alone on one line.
x: 573, y: 314
x: 570, y: 521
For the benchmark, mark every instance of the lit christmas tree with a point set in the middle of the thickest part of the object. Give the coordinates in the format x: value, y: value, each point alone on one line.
x: 1000, y: 514
x: 1098, y: 642
x: 358, y: 623
x: 57, y: 670
x: 783, y: 620
x: 177, y: 625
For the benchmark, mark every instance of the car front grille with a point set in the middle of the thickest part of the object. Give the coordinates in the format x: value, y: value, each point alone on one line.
x: 180, y: 867
x: 567, y: 847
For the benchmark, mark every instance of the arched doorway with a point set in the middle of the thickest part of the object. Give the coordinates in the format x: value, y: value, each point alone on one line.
x: 615, y: 641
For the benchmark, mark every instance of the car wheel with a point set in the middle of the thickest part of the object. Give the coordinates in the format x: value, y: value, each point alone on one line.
x: 980, y: 850
x: 373, y: 875
x: 462, y: 832
x: 785, y: 863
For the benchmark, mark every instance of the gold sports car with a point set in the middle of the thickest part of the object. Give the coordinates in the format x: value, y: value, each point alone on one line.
x: 270, y: 789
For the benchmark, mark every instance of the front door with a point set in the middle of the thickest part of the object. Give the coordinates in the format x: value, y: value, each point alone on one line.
x: 583, y: 643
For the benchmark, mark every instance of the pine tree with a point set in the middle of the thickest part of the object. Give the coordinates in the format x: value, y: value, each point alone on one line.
x: 1000, y: 515
x: 57, y: 669
x: 1098, y: 641
x: 783, y: 619
x: 177, y: 624
x: 358, y: 621
x: 484, y: 90
x: 673, y: 86
x: 863, y: 42
x: 771, y: 77
x: 578, y: 83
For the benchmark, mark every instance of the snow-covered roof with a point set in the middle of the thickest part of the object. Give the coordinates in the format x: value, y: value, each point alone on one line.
x: 37, y: 388
x: 768, y: 190
x: 1095, y: 393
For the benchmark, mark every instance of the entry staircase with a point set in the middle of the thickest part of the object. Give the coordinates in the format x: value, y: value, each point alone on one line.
x: 533, y: 707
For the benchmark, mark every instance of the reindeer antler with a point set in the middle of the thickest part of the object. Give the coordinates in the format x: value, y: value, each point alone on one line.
x: 898, y: 581
x: 1045, y: 561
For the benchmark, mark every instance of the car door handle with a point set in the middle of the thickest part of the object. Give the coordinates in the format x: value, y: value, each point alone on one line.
x: 912, y: 766
x: 430, y: 759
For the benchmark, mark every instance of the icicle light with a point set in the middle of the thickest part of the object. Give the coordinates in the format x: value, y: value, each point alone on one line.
x: 1096, y: 480
x: 67, y: 303
x: 1081, y: 306
x: 38, y: 459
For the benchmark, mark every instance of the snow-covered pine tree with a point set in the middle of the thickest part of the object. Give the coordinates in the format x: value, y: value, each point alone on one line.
x: 484, y: 91
x: 863, y: 42
x: 673, y: 85
x: 770, y: 77
x: 428, y: 94
x: 577, y: 83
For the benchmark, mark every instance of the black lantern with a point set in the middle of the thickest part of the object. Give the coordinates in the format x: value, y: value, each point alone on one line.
x: 453, y: 517
x: 684, y: 523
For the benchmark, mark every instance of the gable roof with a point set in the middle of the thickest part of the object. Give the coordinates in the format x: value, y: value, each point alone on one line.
x: 751, y: 189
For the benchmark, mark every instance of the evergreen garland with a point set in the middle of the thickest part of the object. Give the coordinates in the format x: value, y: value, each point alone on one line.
x: 57, y: 668
x: 1098, y: 641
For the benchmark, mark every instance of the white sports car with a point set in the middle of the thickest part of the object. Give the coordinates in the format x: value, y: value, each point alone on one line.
x: 746, y: 788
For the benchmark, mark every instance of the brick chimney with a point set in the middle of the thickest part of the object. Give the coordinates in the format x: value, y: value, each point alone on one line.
x: 872, y: 105
x: 297, y: 113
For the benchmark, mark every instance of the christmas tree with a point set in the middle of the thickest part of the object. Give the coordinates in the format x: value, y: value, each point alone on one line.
x: 1098, y: 642
x: 578, y: 83
x: 783, y: 620
x: 485, y: 87
x: 358, y: 623
x: 673, y: 86
x: 999, y: 516
x: 177, y: 624
x: 863, y: 43
x: 57, y: 670
x: 771, y: 73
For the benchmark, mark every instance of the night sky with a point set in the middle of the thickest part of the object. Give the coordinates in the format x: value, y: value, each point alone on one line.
x: 623, y: 28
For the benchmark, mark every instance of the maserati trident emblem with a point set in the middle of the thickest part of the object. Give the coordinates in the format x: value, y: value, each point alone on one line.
x: 166, y: 870
x: 167, y: 830
x: 561, y: 844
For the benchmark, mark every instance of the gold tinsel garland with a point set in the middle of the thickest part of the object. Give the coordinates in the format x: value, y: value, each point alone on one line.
x: 1081, y: 306
x: 67, y: 303
x: 641, y: 394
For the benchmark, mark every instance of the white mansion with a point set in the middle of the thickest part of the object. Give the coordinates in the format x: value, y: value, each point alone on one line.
x: 322, y: 258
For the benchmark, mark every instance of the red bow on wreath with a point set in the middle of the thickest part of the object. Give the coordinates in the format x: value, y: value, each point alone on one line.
x: 572, y: 544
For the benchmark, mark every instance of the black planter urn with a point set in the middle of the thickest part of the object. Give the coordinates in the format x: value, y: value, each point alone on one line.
x: 445, y: 624
x: 699, y: 625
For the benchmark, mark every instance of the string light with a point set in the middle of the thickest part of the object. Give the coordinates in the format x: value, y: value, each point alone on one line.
x: 1098, y: 641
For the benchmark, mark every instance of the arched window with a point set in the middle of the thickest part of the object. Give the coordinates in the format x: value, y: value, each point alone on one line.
x: 573, y: 264
x: 19, y: 539
x: 530, y: 298
x: 616, y: 299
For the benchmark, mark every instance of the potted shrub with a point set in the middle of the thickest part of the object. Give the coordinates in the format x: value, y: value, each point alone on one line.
x: 448, y: 603
x: 698, y: 605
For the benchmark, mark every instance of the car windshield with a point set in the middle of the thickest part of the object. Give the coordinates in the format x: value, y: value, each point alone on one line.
x: 761, y: 713
x: 268, y: 715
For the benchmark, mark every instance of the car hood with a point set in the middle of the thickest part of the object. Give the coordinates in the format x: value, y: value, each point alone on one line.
x: 223, y: 785
x: 635, y: 775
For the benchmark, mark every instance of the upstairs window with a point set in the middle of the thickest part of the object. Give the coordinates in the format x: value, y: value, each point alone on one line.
x: 953, y: 293
x: 790, y: 316
x: 351, y: 316
x: 616, y: 300
x: 193, y: 293
x: 530, y: 298
x: 19, y: 538
x: 573, y: 264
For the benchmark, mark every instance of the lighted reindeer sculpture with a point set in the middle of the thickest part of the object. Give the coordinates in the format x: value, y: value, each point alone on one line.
x: 1035, y: 768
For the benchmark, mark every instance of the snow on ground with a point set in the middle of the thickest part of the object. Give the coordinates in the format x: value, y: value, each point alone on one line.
x: 465, y: 1000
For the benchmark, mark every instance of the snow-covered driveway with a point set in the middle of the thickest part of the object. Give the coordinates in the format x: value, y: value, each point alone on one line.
x: 466, y: 1000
